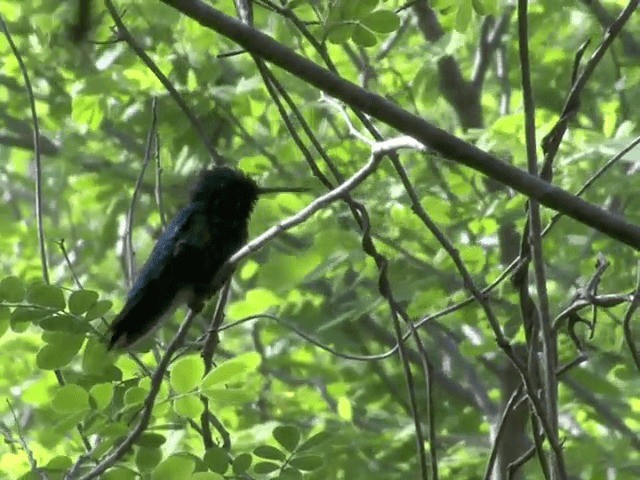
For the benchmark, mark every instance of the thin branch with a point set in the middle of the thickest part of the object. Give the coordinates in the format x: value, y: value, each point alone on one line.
x: 23, y: 442
x: 36, y: 150
x: 551, y: 142
x: 410, y: 124
x: 156, y: 381
x: 125, y: 35
x: 128, y: 233
x: 209, y: 347
x: 511, y: 405
x: 628, y: 335
x: 548, y: 337
x: 157, y: 191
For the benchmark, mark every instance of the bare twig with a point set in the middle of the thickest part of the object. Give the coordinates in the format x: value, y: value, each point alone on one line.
x: 23, y: 442
x: 208, y: 350
x: 548, y: 337
x: 628, y: 335
x: 36, y: 150
x: 157, y: 191
x: 128, y: 233
x: 511, y: 405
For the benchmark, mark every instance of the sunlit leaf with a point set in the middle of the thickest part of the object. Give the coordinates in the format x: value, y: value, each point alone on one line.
x: 186, y: 373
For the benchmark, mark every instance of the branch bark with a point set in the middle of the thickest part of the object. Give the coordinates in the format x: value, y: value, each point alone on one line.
x: 449, y: 146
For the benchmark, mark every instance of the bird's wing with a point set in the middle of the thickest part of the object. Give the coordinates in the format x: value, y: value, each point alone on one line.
x: 160, y: 286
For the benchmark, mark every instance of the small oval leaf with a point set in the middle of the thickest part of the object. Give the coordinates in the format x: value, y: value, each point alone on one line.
x: 317, y: 439
x: 186, y: 374
x: 288, y: 436
x: 188, y: 407
x: 233, y: 369
x: 46, y: 296
x: 265, y: 467
x: 12, y: 289
x: 81, y: 301
x: 307, y: 463
x: 381, y: 21
x: 242, y: 463
x: 270, y: 453
x: 71, y: 398
x: 217, y: 459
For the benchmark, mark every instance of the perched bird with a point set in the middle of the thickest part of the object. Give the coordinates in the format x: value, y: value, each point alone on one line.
x: 193, y: 247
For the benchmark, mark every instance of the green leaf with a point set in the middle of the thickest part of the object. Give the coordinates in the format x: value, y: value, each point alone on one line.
x: 265, y: 467
x: 95, y: 359
x: 151, y: 440
x: 479, y: 7
x: 363, y: 36
x: 176, y: 467
x: 98, y: 310
x: 312, y: 442
x: 290, y: 474
x: 5, y: 316
x: 242, y: 463
x: 102, y: 394
x: 463, y: 16
x: 22, y: 316
x: 12, y: 290
x: 381, y: 21
x: 231, y: 370
x: 206, y: 476
x: 270, y: 453
x: 307, y: 463
x: 135, y: 396
x: 63, y: 322
x: 119, y: 474
x: 188, y: 407
x: 229, y: 396
x: 148, y: 458
x: 71, y: 398
x: 88, y: 111
x: 56, y: 355
x: 288, y: 436
x: 59, y: 463
x: 186, y: 374
x: 46, y: 296
x: 339, y: 33
x: 217, y: 459
x: 81, y: 301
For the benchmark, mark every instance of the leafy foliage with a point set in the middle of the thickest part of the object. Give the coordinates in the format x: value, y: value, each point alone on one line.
x: 284, y: 395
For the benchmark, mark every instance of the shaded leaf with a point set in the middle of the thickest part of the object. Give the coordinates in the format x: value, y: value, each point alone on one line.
x: 12, y: 290
x: 46, y: 296
x: 241, y: 463
x: 288, y: 436
x: 307, y: 463
x: 217, y: 459
x: 269, y: 452
x: 81, y: 301
x: 71, y: 398
x: 381, y: 21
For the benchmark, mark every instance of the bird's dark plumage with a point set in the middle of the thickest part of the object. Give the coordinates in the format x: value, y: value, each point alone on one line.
x: 183, y: 264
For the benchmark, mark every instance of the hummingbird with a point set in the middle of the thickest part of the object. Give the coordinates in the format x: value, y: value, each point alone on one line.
x: 189, y: 253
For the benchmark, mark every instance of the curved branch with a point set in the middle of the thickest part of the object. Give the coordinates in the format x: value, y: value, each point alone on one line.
x: 410, y: 124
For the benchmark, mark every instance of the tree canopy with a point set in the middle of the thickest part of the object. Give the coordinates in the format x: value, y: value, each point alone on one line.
x: 453, y: 295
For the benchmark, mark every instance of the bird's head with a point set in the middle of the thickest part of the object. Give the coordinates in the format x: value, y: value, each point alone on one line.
x: 226, y: 189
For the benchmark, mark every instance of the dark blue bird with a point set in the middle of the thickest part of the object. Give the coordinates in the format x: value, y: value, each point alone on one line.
x: 184, y: 262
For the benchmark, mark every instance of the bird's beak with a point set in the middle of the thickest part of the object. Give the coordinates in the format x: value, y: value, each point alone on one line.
x: 262, y: 190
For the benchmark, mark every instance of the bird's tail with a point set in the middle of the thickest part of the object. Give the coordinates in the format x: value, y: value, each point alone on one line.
x: 141, y: 315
